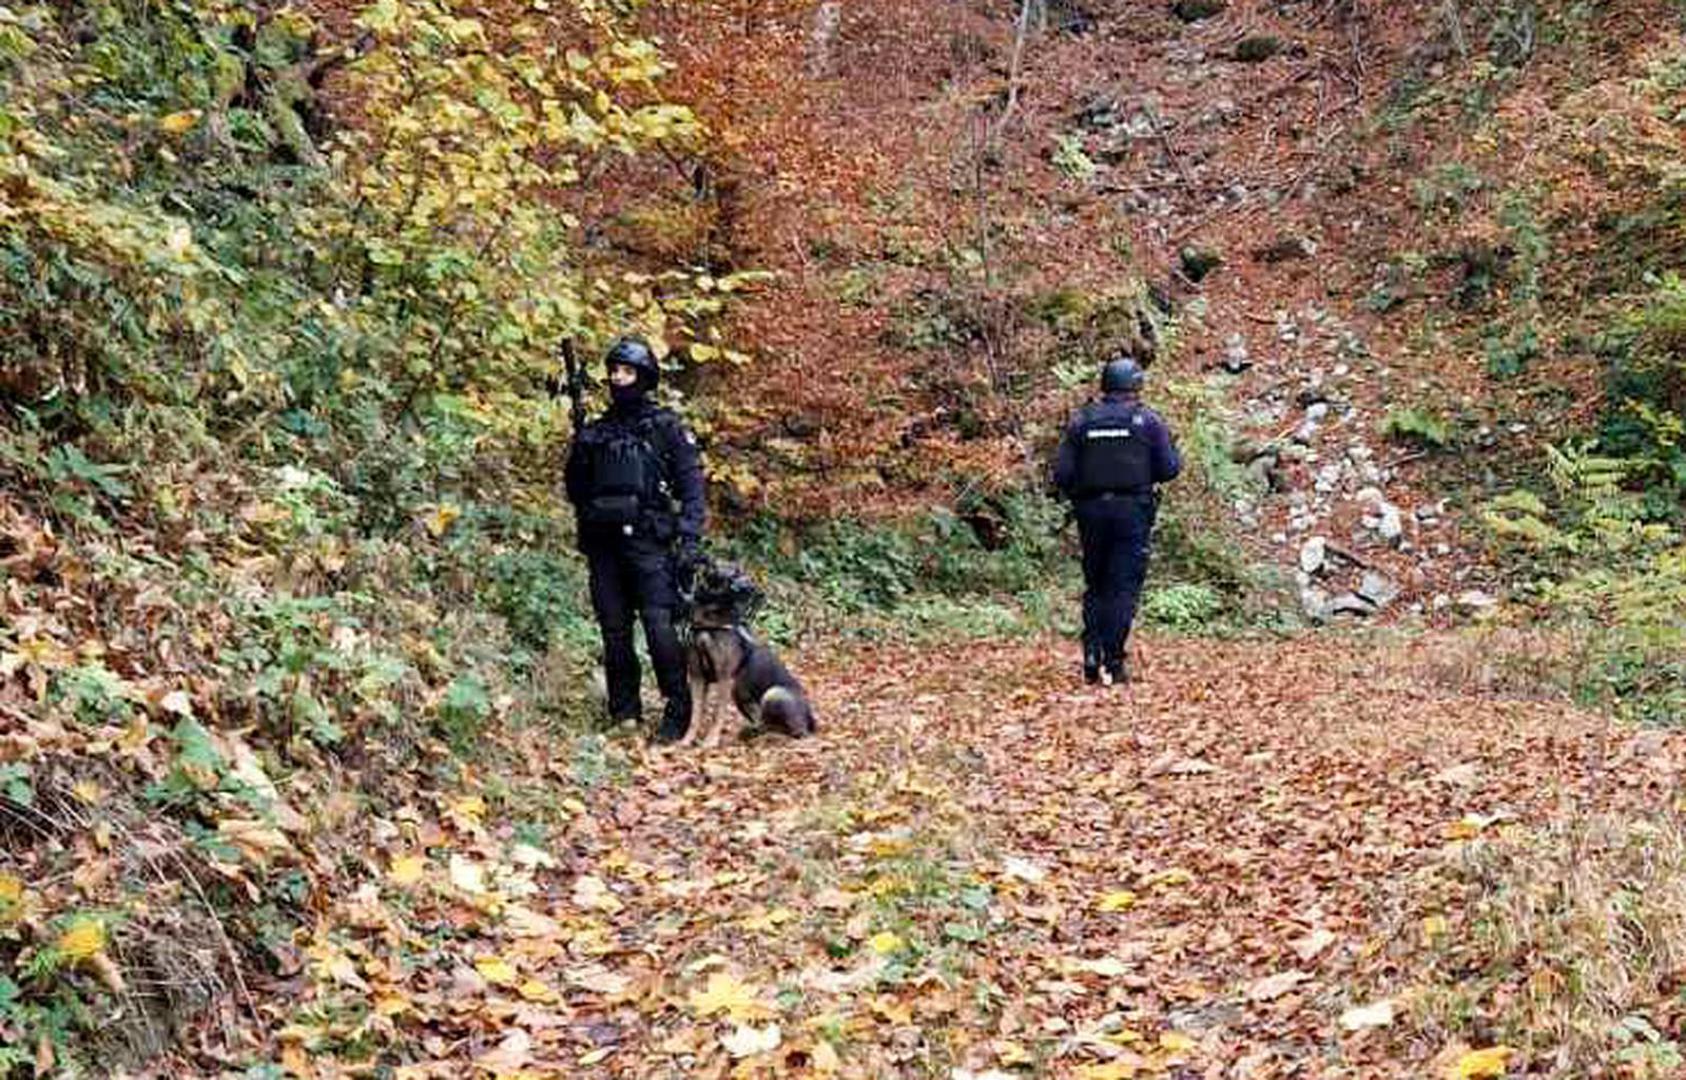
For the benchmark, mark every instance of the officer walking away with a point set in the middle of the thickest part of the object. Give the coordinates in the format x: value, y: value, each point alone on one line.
x: 635, y: 480
x: 1113, y: 453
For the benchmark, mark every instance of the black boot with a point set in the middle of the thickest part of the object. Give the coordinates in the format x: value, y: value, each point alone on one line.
x: 676, y: 720
x: 1091, y: 666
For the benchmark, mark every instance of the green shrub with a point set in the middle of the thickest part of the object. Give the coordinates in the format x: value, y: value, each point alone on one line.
x: 1184, y: 607
x: 1416, y: 425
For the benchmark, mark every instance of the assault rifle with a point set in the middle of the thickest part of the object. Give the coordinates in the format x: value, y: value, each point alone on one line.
x: 575, y: 385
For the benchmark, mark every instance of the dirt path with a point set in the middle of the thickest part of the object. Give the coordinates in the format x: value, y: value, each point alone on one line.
x: 983, y: 869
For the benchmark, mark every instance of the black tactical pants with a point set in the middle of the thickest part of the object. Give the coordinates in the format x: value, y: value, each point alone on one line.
x: 632, y: 577
x: 1116, y: 531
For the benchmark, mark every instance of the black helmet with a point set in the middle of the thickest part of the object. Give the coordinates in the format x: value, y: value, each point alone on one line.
x: 635, y: 354
x: 1121, y: 374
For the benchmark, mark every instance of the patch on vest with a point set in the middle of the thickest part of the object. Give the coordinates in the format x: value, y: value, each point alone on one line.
x: 1107, y: 433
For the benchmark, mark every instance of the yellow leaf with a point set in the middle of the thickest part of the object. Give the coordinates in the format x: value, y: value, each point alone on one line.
x: 1435, y: 926
x: 1010, y: 1053
x: 84, y: 937
x: 391, y: 1004
x: 1477, y: 1064
x: 1121, y: 900
x: 1112, y: 1070
x: 11, y: 891
x: 496, y: 970
x: 179, y: 123
x: 533, y: 990
x: 885, y: 942
x: 724, y: 993
x: 440, y: 518
x: 296, y: 1061
x: 592, y: 1057
x: 407, y: 870
x: 768, y: 920
x: 1166, y: 879
x: 1175, y: 1042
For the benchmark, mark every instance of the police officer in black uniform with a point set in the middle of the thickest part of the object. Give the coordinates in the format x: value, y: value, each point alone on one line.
x: 1113, y: 453
x: 635, y: 480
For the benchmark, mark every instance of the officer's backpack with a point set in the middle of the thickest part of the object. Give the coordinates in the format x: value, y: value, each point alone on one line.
x: 626, y: 475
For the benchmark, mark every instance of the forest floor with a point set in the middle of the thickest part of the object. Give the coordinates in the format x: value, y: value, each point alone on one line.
x: 1262, y: 859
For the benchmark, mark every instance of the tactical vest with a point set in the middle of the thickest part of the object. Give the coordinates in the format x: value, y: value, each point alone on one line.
x: 1114, y: 458
x: 626, y: 474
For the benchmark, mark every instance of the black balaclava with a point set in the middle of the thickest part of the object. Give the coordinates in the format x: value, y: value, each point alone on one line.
x: 629, y: 396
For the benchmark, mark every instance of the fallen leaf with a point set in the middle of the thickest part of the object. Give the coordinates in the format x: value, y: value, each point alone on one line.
x: 591, y: 894
x: 724, y: 993
x: 886, y: 942
x: 767, y: 921
x: 440, y: 518
x: 1120, y: 900
x: 179, y: 123
x: 1107, y: 967
x: 524, y: 922
x: 1022, y: 869
x: 1364, y: 1017
x: 833, y: 899
x: 598, y: 979
x: 497, y: 971
x: 391, y: 1004
x: 533, y: 990
x: 1479, y: 1064
x: 1272, y: 987
x: 745, y: 1041
x: 84, y: 937
x: 1175, y: 1042
x: 1010, y: 1053
x: 406, y: 870
x: 468, y: 875
x: 1111, y: 1070
x: 1166, y: 879
x: 514, y: 1052
x: 1312, y: 943
x: 258, y: 841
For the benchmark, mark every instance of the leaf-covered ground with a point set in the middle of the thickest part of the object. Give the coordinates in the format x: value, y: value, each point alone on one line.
x: 1235, y: 868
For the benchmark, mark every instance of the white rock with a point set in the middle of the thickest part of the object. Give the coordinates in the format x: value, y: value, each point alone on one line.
x: 1476, y: 600
x: 1391, y: 527
x: 1314, y: 553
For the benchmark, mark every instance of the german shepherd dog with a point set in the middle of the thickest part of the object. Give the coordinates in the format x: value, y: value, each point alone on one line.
x: 724, y: 658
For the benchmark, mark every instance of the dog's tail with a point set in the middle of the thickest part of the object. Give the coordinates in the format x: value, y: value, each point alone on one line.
x: 787, y: 711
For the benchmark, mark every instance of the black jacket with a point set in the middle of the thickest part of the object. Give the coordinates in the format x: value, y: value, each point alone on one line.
x: 681, y: 469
